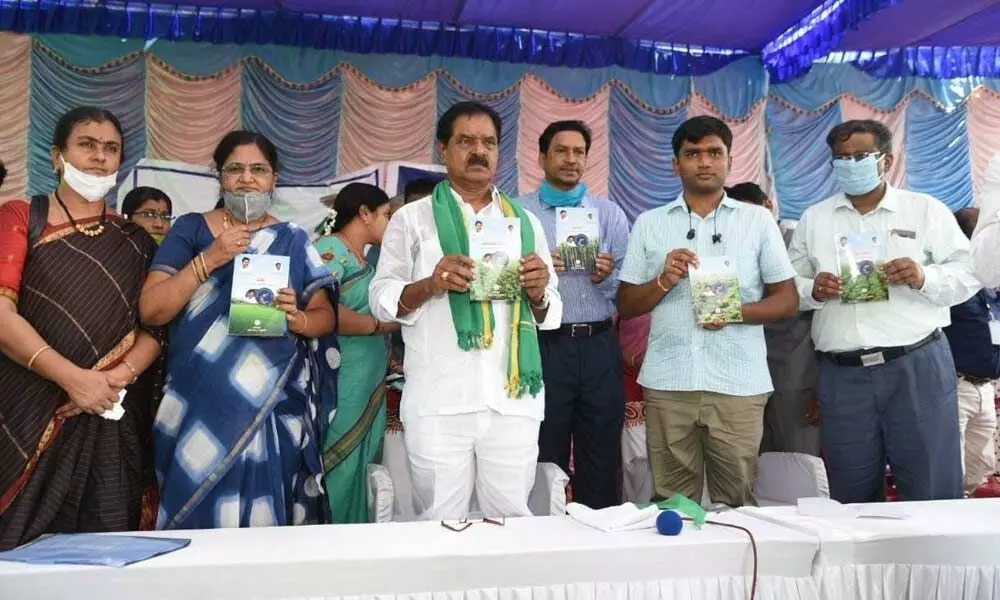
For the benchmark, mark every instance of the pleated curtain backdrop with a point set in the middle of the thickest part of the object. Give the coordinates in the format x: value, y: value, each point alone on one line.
x: 331, y: 113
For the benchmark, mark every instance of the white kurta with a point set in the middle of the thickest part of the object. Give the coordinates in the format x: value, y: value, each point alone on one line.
x: 462, y: 432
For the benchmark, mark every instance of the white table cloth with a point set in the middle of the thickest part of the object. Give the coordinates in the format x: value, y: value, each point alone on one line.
x: 947, y: 550
x: 543, y: 558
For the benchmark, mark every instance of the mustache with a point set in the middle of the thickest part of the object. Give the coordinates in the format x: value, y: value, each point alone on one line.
x: 479, y: 160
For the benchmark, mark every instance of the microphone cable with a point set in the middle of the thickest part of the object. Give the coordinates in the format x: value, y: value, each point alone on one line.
x: 753, y: 547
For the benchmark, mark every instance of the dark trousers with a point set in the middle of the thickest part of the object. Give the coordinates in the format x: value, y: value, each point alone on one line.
x: 585, y: 403
x: 904, y: 411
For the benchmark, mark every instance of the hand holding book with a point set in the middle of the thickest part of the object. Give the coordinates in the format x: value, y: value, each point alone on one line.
x: 904, y: 271
x: 826, y: 287
x: 675, y: 266
x: 603, y: 267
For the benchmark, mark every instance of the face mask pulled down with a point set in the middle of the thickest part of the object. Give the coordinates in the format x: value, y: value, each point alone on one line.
x: 248, y: 206
x: 93, y: 188
x: 857, y: 177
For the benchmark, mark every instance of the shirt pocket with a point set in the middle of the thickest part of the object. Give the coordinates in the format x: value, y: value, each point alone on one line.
x: 428, y: 255
x: 904, y: 246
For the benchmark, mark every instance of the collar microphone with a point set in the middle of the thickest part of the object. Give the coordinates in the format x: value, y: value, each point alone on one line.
x: 690, y: 235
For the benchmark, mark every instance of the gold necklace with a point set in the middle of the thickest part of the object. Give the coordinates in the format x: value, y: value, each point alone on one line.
x: 90, y: 230
x: 227, y: 221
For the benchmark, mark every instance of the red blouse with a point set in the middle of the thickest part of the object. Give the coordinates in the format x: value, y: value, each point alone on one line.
x: 14, y: 243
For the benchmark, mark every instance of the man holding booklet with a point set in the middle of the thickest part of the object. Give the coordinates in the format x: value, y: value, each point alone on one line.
x: 470, y: 300
x: 712, y: 271
x: 584, y: 395
x: 880, y: 267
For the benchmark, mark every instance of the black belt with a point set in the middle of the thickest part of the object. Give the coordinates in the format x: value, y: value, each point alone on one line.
x: 878, y: 356
x: 976, y: 381
x: 579, y: 330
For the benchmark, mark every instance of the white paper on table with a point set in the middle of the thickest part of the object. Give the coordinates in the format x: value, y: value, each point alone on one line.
x: 829, y: 508
x: 117, y: 411
x: 627, y: 517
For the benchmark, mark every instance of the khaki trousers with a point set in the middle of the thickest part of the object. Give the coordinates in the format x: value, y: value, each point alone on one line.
x: 691, y: 434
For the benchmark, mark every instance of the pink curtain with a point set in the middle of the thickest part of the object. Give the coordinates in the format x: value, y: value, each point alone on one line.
x: 851, y: 109
x: 984, y: 133
x: 541, y: 105
x: 186, y: 115
x: 380, y: 123
x: 15, y: 75
x: 749, y: 141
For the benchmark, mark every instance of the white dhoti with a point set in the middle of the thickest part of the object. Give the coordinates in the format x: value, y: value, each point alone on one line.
x: 453, y: 455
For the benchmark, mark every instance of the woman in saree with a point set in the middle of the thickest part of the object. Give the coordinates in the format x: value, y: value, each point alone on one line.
x: 355, y: 435
x: 70, y: 277
x: 237, y: 435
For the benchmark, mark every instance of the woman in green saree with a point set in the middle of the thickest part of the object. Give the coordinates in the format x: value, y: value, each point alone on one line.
x: 360, y: 216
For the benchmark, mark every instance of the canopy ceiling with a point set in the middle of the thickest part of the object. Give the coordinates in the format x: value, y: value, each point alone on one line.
x: 789, y: 34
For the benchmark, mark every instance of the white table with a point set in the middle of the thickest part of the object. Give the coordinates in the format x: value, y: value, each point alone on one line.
x: 546, y: 558
x: 947, y: 549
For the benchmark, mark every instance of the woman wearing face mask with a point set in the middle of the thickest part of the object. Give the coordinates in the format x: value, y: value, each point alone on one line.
x: 150, y: 209
x: 357, y: 429
x: 238, y: 432
x: 71, y: 341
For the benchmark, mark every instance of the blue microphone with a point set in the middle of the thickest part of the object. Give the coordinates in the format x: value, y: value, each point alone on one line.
x: 669, y: 523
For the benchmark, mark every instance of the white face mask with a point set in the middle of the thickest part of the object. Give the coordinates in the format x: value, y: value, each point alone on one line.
x: 92, y: 187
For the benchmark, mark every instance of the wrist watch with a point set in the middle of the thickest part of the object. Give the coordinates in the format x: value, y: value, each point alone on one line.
x: 541, y: 305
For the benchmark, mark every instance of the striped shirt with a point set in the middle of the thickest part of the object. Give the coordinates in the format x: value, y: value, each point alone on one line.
x: 682, y: 356
x: 585, y: 302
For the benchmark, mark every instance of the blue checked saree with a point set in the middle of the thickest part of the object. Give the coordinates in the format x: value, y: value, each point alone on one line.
x: 238, y: 432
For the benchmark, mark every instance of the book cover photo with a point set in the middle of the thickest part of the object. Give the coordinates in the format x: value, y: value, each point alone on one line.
x: 256, y: 281
x: 495, y: 246
x: 578, y: 238
x: 861, y: 259
x: 715, y: 291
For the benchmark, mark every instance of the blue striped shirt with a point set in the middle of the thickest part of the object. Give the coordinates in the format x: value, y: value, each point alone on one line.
x: 584, y: 301
x: 682, y: 356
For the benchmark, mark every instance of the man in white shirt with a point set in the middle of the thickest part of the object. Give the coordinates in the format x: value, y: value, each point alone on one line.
x: 887, y: 383
x: 986, y: 239
x: 472, y: 403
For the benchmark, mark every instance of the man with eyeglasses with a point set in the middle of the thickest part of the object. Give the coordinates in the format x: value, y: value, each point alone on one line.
x: 887, y: 381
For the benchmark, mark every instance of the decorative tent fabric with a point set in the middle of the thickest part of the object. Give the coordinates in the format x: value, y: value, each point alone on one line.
x: 331, y: 113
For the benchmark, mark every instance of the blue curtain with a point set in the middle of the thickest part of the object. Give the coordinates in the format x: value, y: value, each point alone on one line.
x: 303, y: 123
x: 509, y: 109
x: 641, y: 172
x: 825, y: 82
x: 937, y: 153
x: 57, y: 88
x: 800, y: 157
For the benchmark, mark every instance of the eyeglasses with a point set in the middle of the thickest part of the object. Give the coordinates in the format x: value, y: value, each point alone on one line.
x: 860, y: 156
x: 460, y: 525
x: 153, y: 215
x: 237, y: 169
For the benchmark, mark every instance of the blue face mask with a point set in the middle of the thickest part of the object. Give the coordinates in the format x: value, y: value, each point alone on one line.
x: 857, y: 177
x: 560, y: 198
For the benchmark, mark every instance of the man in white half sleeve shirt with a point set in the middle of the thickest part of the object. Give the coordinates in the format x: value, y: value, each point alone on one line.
x: 887, y: 382
x: 470, y: 416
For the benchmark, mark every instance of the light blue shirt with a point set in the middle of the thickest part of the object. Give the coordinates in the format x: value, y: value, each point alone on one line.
x: 682, y: 356
x: 585, y: 301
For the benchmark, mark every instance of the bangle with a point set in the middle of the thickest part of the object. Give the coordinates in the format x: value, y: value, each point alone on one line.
x: 403, y: 306
x: 665, y: 289
x: 204, y: 265
x: 135, y: 376
x: 31, y: 361
x: 375, y: 327
x: 197, y: 271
